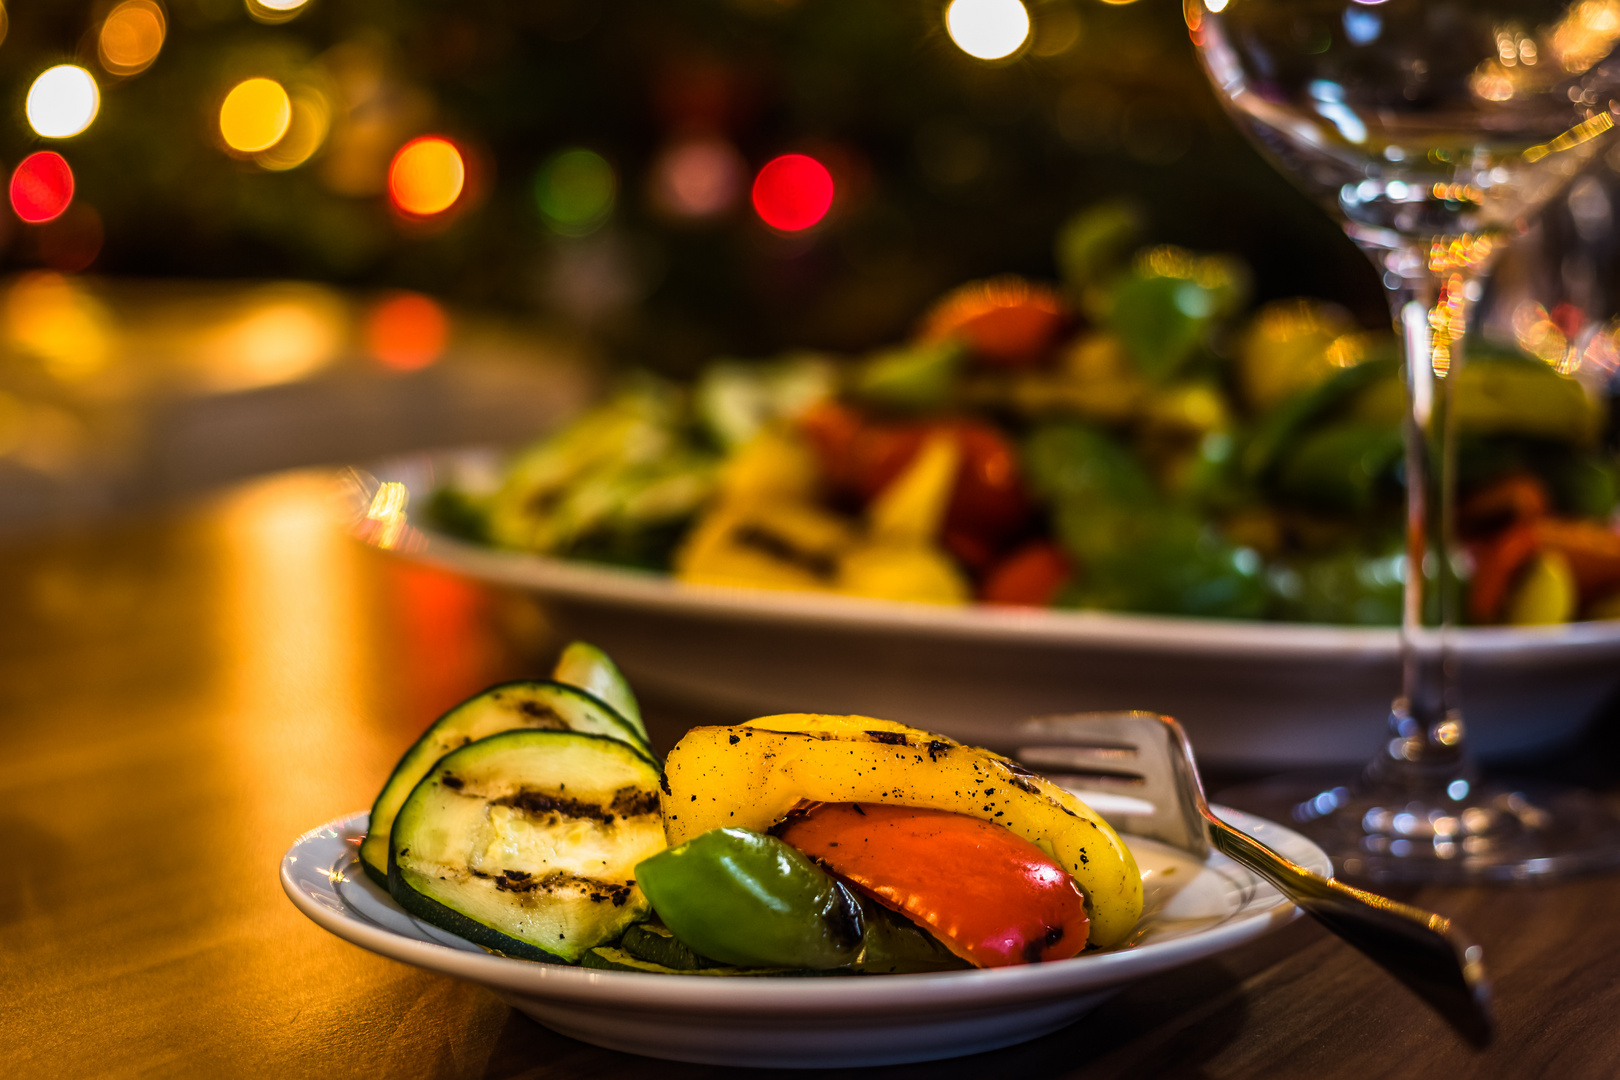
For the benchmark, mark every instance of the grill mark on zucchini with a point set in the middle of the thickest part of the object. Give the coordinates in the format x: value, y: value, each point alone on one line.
x: 635, y: 802
x: 539, y: 706
x: 545, y: 718
x: 533, y: 855
x: 627, y: 802
x: 521, y: 882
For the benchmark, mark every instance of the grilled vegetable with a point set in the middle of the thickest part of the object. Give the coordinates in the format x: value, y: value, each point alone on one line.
x: 1032, y: 576
x: 747, y: 899
x: 741, y: 897
x: 735, y: 400
x: 593, y: 671
x: 605, y: 481
x: 912, y: 378
x: 992, y: 897
x: 1185, y: 457
x: 766, y: 544
x: 547, y: 706
x: 751, y: 776
x: 655, y: 943
x: 526, y: 842
x: 1004, y: 321
x: 1545, y: 594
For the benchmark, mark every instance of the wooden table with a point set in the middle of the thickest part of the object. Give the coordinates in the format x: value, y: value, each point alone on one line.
x: 181, y: 696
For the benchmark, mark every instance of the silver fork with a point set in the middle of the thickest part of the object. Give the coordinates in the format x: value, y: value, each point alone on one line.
x: 1140, y: 771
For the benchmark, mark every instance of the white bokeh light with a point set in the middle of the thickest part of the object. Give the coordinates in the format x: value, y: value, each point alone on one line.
x: 62, y: 101
x: 987, y: 29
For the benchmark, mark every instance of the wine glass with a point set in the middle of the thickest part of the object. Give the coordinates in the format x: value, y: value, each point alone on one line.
x: 1432, y: 130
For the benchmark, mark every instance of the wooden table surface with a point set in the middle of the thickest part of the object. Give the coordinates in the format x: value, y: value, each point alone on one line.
x: 182, y: 695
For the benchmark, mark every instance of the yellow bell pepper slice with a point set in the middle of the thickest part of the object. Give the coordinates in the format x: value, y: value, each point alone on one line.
x: 780, y: 545
x: 911, y: 509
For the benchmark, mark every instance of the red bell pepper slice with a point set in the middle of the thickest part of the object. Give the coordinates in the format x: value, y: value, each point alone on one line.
x: 990, y: 896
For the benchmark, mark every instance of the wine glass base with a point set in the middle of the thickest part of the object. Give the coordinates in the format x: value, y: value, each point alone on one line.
x: 1502, y: 831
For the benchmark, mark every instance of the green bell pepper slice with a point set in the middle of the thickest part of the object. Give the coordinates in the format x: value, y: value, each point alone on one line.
x: 744, y: 898
x: 748, y: 899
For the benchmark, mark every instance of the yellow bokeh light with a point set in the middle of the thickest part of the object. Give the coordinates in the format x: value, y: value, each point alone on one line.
x: 427, y: 176
x: 62, y: 101
x: 255, y: 115
x: 311, y: 121
x: 987, y: 29
x: 131, y: 37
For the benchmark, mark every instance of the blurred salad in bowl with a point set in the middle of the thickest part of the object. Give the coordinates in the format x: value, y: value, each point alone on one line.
x: 1133, y: 438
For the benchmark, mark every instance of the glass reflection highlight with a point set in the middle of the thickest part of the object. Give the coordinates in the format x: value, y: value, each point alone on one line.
x: 385, y: 517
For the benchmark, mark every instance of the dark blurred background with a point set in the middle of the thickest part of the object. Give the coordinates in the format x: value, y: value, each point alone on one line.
x: 946, y: 167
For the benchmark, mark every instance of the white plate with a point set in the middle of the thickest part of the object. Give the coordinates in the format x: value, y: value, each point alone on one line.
x: 1254, y: 693
x: 1192, y: 912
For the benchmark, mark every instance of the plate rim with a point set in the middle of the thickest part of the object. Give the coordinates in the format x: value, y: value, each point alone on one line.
x: 743, y: 996
x: 1101, y: 630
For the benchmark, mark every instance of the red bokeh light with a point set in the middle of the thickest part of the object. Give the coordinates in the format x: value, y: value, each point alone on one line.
x: 793, y: 192
x: 407, y: 331
x: 42, y: 187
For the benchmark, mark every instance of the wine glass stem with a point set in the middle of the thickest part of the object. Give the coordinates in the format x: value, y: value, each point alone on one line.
x: 1425, y: 745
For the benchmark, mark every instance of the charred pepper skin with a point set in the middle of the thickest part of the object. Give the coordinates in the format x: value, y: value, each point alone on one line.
x: 744, y: 898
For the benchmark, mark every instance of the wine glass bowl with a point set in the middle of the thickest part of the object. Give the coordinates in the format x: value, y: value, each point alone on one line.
x: 1412, y: 119
x: 1432, y: 130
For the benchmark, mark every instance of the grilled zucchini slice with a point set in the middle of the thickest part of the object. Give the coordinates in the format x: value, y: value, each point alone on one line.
x: 541, y: 705
x: 593, y: 671
x: 526, y: 843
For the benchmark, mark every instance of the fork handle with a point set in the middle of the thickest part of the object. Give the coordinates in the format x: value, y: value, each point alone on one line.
x: 1421, y: 949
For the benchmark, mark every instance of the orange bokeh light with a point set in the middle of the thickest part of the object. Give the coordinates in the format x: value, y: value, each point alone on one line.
x: 131, y: 37
x: 427, y: 176
x: 407, y: 331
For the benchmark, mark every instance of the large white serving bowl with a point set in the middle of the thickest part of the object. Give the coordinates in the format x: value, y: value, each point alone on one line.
x: 1192, y: 910
x: 1249, y: 693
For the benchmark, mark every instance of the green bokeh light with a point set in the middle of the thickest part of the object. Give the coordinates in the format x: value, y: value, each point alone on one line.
x: 575, y: 190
